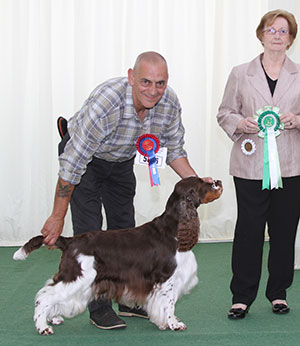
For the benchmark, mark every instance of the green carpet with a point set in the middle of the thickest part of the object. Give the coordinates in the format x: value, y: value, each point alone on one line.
x: 203, y: 311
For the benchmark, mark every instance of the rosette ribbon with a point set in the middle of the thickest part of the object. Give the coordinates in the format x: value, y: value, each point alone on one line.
x: 269, y: 124
x: 148, y: 145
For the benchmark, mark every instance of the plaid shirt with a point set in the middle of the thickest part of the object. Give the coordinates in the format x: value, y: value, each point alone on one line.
x: 107, y: 127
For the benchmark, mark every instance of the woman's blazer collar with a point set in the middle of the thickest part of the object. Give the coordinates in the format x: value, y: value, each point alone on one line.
x: 258, y: 79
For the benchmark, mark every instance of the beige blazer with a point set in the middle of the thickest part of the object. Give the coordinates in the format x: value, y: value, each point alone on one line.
x: 246, y: 91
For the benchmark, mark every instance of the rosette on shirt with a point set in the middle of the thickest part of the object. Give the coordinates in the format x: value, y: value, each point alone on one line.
x: 269, y: 124
x: 248, y: 146
x: 148, y: 145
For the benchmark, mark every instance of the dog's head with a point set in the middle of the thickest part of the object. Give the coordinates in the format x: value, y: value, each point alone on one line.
x: 196, y: 191
x: 188, y: 194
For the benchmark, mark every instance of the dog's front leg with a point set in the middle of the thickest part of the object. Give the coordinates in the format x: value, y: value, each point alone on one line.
x: 173, y: 322
x: 160, y: 306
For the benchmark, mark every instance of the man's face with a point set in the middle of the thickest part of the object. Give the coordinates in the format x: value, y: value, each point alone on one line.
x: 148, y: 82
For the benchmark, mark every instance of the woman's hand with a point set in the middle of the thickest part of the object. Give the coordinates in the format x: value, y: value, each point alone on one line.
x: 247, y: 125
x: 290, y: 120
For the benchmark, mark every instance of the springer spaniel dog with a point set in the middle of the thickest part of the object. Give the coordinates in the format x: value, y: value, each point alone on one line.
x: 149, y: 266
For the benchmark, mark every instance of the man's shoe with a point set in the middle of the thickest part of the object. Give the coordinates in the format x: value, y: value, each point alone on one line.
x: 132, y: 312
x: 237, y: 313
x: 280, y: 308
x: 106, y: 320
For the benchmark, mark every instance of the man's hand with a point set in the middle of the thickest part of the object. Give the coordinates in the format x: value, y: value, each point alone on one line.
x: 208, y: 180
x: 52, y: 229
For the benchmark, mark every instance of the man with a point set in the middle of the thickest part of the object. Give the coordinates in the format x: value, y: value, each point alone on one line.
x: 96, y: 165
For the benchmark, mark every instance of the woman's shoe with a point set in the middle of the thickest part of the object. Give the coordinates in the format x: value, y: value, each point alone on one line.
x: 237, y: 313
x: 280, y: 307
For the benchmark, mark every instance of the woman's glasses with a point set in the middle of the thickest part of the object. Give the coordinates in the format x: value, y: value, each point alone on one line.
x: 272, y: 31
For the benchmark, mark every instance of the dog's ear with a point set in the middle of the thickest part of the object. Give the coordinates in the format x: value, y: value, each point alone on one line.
x: 188, y: 233
x: 193, y: 198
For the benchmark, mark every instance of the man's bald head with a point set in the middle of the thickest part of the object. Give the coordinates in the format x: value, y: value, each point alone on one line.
x: 152, y: 58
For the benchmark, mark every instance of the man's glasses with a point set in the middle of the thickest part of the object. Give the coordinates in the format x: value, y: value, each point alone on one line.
x: 272, y: 31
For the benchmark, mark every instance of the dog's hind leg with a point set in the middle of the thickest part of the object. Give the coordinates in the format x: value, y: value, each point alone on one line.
x: 69, y: 299
x: 43, y: 305
x: 48, y: 308
x: 51, y: 303
x: 56, y: 320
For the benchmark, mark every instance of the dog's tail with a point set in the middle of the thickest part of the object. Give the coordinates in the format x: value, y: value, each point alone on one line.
x: 35, y: 243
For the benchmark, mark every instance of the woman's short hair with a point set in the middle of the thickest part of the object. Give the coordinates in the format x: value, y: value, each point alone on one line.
x: 269, y: 18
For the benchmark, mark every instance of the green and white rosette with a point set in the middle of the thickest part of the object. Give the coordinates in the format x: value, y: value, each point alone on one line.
x: 269, y: 124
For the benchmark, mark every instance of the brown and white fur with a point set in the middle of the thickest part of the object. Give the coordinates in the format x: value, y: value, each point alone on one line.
x: 149, y: 266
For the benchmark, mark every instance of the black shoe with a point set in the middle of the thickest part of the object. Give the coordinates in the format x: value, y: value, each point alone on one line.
x: 106, y: 320
x: 280, y: 309
x: 132, y: 312
x: 236, y: 314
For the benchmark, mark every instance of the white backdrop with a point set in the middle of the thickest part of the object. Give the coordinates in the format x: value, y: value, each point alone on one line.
x: 54, y: 52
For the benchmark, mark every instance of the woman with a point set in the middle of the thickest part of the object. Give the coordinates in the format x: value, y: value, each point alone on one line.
x: 273, y: 80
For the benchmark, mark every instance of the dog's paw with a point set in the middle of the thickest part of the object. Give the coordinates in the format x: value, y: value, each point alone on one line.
x: 179, y: 326
x: 20, y: 255
x: 46, y: 331
x: 56, y: 320
x: 175, y: 324
x: 162, y: 327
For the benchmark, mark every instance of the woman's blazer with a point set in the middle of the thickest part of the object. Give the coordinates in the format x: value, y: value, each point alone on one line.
x: 247, y: 91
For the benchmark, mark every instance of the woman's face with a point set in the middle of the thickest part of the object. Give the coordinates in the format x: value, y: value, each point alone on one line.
x: 276, y: 37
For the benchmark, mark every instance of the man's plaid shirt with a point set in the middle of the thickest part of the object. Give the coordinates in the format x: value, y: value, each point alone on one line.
x: 108, y: 128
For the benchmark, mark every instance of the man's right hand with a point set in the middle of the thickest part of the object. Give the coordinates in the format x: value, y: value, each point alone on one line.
x: 52, y: 229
